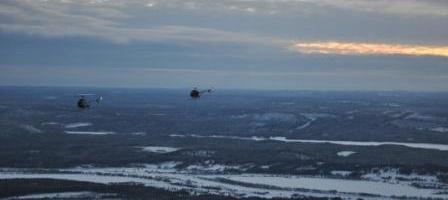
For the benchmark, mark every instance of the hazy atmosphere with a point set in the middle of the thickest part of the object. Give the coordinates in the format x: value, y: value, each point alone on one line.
x: 235, y: 44
x: 224, y: 100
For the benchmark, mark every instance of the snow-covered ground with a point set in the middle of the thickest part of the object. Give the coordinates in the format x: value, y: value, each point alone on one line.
x: 210, y: 167
x: 198, y: 179
x: 340, y: 185
x: 393, y: 175
x: 158, y: 149
x: 90, y: 132
x: 342, y: 173
x: 345, y: 153
x: 78, y: 124
x: 440, y: 129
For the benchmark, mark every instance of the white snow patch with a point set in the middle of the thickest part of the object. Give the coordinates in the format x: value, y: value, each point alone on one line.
x: 158, y: 149
x: 78, y: 124
x: 255, y: 138
x: 341, y: 173
x: 211, y: 166
x: 265, y: 166
x: 177, y: 135
x: 89, y: 132
x: 440, y: 129
x: 345, y: 153
x: 304, y: 125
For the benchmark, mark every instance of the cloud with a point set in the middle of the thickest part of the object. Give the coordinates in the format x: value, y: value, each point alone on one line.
x: 347, y: 48
x: 117, y: 20
x: 58, y: 19
x: 400, y: 7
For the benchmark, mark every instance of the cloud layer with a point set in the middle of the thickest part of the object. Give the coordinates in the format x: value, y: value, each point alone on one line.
x: 239, y: 21
x: 342, y: 48
x: 228, y: 44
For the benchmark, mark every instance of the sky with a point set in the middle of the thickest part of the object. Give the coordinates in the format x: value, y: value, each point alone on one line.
x: 230, y: 44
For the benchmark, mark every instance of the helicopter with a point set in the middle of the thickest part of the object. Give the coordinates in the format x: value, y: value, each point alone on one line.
x: 84, y: 103
x: 196, y: 93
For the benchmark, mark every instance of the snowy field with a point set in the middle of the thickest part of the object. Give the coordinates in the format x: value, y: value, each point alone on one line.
x: 216, y: 179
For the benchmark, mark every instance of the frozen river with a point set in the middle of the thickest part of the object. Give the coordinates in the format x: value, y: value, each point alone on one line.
x: 441, y: 147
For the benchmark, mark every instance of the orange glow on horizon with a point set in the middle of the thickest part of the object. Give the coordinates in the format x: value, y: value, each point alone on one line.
x: 342, y: 48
